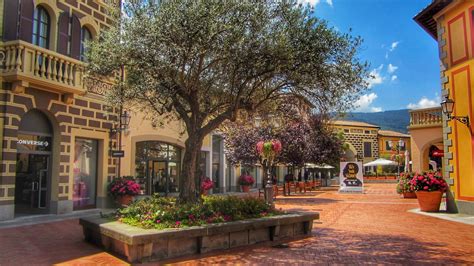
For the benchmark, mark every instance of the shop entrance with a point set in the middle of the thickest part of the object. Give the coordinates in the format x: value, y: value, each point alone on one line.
x: 31, y: 185
x: 164, y: 176
x: 33, y: 165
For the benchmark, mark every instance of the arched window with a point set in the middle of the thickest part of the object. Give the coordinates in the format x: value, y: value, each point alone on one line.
x: 41, y: 27
x: 86, y: 36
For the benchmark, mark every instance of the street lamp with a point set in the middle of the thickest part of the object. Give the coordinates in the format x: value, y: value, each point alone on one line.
x: 124, y: 121
x: 398, y: 148
x: 448, y: 107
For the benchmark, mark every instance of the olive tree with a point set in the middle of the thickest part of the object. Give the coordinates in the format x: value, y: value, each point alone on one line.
x: 203, y: 62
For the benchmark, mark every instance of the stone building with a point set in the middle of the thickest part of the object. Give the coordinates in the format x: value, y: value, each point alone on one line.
x: 55, y: 127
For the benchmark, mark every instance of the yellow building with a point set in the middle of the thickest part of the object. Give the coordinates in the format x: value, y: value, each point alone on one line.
x: 451, y: 23
x: 362, y: 139
x: 388, y: 141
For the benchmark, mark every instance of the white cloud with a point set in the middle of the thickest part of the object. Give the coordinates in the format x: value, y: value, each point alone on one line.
x: 394, y: 77
x: 364, y: 102
x: 393, y: 46
x: 391, y: 68
x: 375, y: 77
x: 314, y: 3
x: 424, y: 102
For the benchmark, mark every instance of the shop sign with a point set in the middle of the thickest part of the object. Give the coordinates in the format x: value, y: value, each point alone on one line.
x: 41, y: 143
x: 117, y: 153
x: 351, y: 178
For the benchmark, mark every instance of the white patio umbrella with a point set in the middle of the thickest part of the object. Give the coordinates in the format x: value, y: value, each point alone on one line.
x: 407, y: 161
x: 380, y: 161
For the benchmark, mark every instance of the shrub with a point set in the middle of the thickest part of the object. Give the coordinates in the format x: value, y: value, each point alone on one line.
x: 428, y: 181
x: 206, y: 183
x: 123, y: 186
x: 403, y: 185
x: 160, y: 212
x: 246, y: 180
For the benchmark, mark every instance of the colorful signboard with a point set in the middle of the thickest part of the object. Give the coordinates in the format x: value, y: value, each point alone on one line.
x: 351, y: 178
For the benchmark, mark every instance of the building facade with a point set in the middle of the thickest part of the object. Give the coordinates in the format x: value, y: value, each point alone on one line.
x: 451, y: 24
x: 55, y: 125
x: 388, y: 141
x: 361, y: 138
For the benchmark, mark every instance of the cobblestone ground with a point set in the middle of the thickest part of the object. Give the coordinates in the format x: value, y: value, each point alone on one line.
x: 371, y: 228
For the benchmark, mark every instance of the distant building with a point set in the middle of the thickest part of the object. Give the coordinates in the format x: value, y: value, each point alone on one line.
x: 388, y: 141
x: 361, y: 138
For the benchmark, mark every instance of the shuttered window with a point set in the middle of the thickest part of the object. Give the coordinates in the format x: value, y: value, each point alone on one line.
x: 41, y: 27
x: 86, y: 37
x: 367, y: 149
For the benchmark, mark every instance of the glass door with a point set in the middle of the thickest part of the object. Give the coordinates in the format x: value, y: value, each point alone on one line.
x: 158, y: 174
x: 31, y: 185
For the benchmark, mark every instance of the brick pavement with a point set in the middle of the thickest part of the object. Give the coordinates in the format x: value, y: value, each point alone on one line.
x: 370, y: 228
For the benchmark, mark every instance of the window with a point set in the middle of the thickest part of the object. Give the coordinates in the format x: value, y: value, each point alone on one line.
x: 346, y: 130
x: 41, y: 26
x: 354, y: 130
x: 367, y: 149
x: 387, y: 145
x: 86, y: 36
x: 216, y: 160
x: 367, y: 132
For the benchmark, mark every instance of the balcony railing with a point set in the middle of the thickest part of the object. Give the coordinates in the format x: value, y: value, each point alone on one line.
x: 29, y: 64
x: 429, y: 117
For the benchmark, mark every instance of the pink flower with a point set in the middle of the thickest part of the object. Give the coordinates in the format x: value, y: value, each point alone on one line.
x: 420, y: 177
x: 260, y: 147
x: 177, y: 224
x: 158, y: 221
x: 276, y: 145
x: 425, y: 187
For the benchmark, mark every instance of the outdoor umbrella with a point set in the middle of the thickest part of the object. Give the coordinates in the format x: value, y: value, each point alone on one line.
x: 407, y: 161
x: 381, y: 161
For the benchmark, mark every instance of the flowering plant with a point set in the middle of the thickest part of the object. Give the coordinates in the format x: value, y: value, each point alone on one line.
x: 428, y: 181
x: 206, y: 183
x: 246, y: 180
x: 269, y: 149
x: 123, y: 186
x: 404, y: 184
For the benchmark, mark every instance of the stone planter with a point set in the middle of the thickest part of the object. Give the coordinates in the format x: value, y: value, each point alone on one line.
x: 429, y: 201
x: 245, y: 188
x: 409, y: 195
x: 138, y: 245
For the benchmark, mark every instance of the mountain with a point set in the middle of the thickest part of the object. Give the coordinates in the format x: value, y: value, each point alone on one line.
x: 396, y: 120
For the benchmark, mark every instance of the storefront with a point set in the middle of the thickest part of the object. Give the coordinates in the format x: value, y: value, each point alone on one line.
x: 158, y: 166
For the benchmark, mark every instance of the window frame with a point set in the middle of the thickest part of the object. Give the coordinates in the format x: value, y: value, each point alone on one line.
x: 39, y: 14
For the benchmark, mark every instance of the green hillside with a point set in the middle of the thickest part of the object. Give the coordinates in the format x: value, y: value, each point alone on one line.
x: 396, y: 120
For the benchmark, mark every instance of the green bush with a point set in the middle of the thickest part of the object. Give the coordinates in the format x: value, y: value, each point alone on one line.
x: 160, y: 212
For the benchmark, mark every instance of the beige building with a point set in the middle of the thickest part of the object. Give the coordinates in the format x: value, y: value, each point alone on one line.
x: 361, y: 138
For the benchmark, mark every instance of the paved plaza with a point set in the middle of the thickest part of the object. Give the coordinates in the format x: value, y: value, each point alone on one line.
x: 376, y: 227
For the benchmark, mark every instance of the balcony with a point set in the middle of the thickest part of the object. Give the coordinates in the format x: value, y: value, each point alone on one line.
x: 423, y: 118
x: 25, y: 64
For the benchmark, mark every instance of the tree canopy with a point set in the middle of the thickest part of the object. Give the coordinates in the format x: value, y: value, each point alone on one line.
x: 204, y: 62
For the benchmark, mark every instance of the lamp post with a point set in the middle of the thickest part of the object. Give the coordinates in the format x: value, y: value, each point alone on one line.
x: 400, y: 144
x: 448, y: 107
x: 124, y: 121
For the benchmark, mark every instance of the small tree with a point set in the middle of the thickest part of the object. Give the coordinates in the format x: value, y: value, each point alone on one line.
x: 203, y: 62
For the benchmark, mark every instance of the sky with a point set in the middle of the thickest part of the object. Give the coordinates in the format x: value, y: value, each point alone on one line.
x: 403, y: 58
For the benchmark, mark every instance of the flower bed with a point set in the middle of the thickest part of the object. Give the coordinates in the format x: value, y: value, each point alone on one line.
x: 160, y: 212
x: 158, y: 228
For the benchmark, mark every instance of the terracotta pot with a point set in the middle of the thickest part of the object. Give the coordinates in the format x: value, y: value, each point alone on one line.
x: 429, y: 201
x: 409, y: 195
x: 125, y: 199
x: 301, y: 185
x: 245, y: 188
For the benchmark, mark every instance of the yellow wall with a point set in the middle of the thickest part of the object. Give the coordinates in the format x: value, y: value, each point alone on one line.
x: 457, y: 20
x: 384, y: 139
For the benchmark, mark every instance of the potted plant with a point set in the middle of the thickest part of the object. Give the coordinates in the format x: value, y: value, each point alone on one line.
x: 429, y: 188
x: 245, y: 181
x: 404, y: 188
x: 123, y: 189
x: 206, y: 184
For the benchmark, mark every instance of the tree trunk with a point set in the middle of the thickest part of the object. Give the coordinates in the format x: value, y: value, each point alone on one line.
x: 189, y: 192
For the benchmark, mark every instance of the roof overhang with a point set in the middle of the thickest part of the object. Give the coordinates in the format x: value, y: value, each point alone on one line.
x: 426, y: 17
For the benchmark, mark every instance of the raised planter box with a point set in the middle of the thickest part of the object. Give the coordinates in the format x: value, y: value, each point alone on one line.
x: 139, y: 245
